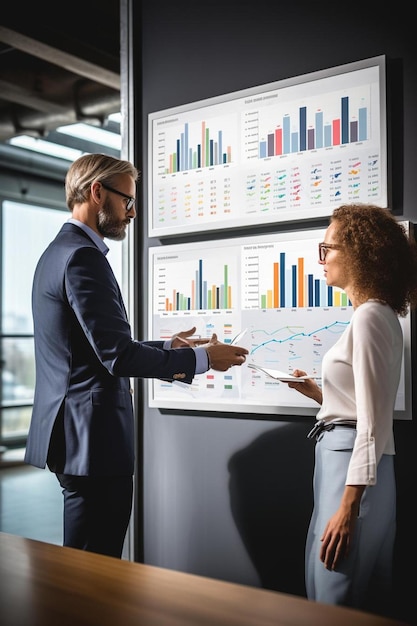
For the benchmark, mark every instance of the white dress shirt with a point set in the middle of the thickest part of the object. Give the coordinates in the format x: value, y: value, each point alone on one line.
x: 360, y: 378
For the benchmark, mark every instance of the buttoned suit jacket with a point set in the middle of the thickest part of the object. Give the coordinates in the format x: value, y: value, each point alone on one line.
x: 82, y: 420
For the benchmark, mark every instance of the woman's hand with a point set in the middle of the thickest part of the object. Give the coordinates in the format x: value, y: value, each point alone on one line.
x: 308, y: 387
x: 337, y: 536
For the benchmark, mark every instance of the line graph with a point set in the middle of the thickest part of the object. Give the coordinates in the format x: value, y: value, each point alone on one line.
x: 335, y: 328
x: 293, y: 346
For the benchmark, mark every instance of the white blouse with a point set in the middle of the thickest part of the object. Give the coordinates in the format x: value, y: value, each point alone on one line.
x: 360, y: 378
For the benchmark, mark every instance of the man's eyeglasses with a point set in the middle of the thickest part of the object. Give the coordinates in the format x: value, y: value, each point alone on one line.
x: 324, y: 248
x: 130, y: 200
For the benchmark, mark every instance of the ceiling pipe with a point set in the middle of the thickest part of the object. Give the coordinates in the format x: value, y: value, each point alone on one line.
x: 27, y: 162
x: 90, y: 105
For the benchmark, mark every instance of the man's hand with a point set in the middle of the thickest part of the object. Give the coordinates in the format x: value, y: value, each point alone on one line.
x: 186, y: 339
x: 222, y: 356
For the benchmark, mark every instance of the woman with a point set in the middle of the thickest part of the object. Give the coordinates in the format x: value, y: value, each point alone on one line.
x: 350, y: 540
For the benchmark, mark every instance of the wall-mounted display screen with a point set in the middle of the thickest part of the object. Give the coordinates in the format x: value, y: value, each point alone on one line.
x: 273, y: 287
x: 285, y: 151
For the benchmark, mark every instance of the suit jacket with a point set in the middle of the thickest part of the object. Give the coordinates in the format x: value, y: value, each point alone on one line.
x: 82, y: 420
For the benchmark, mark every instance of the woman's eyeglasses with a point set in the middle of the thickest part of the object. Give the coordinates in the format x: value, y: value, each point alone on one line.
x: 130, y: 200
x: 324, y: 248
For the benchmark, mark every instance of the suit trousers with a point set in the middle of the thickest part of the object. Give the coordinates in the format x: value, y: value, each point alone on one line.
x: 364, y: 578
x: 97, y: 512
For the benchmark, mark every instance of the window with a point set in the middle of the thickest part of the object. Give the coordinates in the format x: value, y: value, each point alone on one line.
x: 26, y: 230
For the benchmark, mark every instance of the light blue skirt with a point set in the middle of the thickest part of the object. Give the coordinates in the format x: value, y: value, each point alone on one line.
x: 367, y: 571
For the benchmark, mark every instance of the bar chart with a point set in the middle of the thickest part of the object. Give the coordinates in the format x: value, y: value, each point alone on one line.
x: 208, y: 152
x: 273, y: 279
x: 200, y: 295
x: 295, y: 133
x: 191, y: 143
x: 197, y: 283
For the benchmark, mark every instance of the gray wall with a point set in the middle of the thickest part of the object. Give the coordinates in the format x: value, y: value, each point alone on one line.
x: 229, y: 496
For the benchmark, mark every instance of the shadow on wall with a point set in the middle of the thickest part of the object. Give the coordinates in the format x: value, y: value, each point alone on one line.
x: 271, y: 500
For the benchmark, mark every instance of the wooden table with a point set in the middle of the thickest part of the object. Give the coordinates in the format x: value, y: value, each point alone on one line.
x: 47, y: 585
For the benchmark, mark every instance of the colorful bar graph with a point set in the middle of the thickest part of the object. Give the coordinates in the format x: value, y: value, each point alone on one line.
x: 293, y: 288
x: 210, y: 151
x: 341, y: 130
x: 202, y: 296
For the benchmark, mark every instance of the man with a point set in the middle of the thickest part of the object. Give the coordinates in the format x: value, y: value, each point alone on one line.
x: 82, y: 423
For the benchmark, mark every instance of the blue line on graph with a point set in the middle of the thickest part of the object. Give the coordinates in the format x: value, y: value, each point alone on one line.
x: 298, y: 335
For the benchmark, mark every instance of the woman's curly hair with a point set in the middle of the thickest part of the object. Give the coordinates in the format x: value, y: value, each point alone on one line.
x: 380, y: 254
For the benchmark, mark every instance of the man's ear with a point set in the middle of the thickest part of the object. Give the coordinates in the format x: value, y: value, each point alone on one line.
x: 96, y: 192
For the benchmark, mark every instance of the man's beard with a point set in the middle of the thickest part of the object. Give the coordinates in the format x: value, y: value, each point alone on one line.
x: 109, y: 226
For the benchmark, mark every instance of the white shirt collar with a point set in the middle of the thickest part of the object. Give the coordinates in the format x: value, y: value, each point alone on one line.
x: 92, y: 234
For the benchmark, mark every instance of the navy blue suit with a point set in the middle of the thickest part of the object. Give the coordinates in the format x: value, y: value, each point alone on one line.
x: 82, y: 422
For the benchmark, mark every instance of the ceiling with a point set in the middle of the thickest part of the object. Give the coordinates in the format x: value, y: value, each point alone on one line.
x: 59, y: 66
